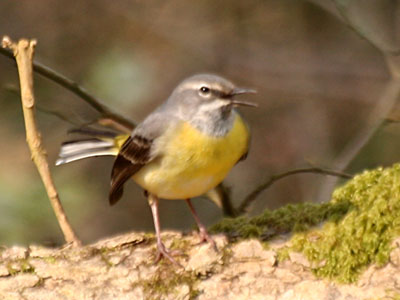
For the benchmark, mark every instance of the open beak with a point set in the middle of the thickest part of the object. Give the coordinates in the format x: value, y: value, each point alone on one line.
x: 240, y: 91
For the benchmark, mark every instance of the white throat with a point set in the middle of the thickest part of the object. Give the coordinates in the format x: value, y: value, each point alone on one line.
x: 213, y: 118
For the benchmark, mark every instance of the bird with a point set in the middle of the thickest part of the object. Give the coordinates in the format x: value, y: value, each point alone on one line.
x: 182, y: 150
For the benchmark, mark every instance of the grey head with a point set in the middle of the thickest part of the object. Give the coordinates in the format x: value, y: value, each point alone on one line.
x: 207, y: 102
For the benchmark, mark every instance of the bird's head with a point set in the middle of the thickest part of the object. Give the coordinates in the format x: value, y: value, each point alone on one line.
x: 208, y: 94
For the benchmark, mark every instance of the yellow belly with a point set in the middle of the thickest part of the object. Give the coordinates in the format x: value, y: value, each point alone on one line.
x: 192, y: 162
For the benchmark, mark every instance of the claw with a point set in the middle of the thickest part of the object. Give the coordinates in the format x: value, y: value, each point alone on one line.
x: 204, y: 236
x: 163, y: 252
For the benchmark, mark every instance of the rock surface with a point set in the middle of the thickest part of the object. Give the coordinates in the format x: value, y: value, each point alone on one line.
x: 122, y: 268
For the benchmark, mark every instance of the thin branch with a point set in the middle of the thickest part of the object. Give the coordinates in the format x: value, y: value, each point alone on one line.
x: 109, y: 117
x: 244, y: 206
x: 23, y: 52
x: 75, y: 88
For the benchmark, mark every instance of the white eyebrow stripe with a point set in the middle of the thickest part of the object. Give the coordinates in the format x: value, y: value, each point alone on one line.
x: 191, y: 85
x: 198, y: 85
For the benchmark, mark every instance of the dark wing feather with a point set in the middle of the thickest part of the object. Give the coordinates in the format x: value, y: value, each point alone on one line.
x: 137, y: 150
x: 134, y: 154
x: 243, y: 157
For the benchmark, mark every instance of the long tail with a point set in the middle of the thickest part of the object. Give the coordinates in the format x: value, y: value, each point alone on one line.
x: 95, y: 143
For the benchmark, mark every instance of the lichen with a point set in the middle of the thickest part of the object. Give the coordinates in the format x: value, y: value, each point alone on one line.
x: 359, y: 225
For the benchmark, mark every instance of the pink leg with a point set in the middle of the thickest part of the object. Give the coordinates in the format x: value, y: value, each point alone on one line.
x: 202, y: 229
x: 161, y: 250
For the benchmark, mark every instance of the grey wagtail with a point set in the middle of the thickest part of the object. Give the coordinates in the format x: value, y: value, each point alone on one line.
x: 183, y: 149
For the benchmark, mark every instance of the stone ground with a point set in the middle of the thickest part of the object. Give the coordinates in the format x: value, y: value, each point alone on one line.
x: 123, y: 268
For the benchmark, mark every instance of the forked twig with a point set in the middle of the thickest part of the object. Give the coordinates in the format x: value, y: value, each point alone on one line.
x: 97, y: 104
x: 23, y: 52
x: 244, y: 206
x: 221, y: 191
x: 109, y: 117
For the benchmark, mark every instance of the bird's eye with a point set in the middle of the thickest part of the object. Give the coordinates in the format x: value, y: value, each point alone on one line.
x: 204, y: 90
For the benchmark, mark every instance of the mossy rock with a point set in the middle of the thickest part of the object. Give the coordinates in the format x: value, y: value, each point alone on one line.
x: 358, y: 225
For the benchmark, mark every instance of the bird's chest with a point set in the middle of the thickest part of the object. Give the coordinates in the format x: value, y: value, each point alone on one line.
x: 202, y: 153
x: 193, y: 162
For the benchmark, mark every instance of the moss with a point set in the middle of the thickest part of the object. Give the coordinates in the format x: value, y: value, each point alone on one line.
x: 359, y: 225
x: 149, y: 237
x: 179, y: 244
x: 105, y: 258
x: 50, y: 259
x: 166, y: 281
x: 19, y: 266
x: 344, y: 247
x: 40, y: 282
x: 290, y: 218
x: 283, y: 254
x: 226, y: 255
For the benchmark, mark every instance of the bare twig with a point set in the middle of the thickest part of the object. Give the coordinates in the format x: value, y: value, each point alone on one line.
x: 72, y: 86
x: 244, y: 206
x: 23, y: 52
x: 108, y: 116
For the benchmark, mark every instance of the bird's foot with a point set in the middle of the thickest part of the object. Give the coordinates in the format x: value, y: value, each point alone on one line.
x: 163, y: 252
x: 205, y: 237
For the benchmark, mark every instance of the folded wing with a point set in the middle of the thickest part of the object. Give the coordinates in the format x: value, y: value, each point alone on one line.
x: 134, y: 154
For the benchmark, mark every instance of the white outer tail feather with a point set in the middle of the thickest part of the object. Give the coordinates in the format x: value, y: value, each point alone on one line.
x: 80, y: 146
x: 73, y: 151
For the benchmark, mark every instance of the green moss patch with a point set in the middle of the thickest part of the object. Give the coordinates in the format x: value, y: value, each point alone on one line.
x: 19, y: 266
x: 359, y: 225
x: 166, y: 282
x: 291, y: 218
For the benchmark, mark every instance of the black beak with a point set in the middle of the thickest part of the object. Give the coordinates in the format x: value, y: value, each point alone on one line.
x: 241, y: 91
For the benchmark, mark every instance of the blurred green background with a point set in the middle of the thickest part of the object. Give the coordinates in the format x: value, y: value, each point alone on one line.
x: 318, y: 82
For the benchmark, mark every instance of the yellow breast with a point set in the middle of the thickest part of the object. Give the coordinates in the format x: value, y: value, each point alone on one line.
x: 192, y: 162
